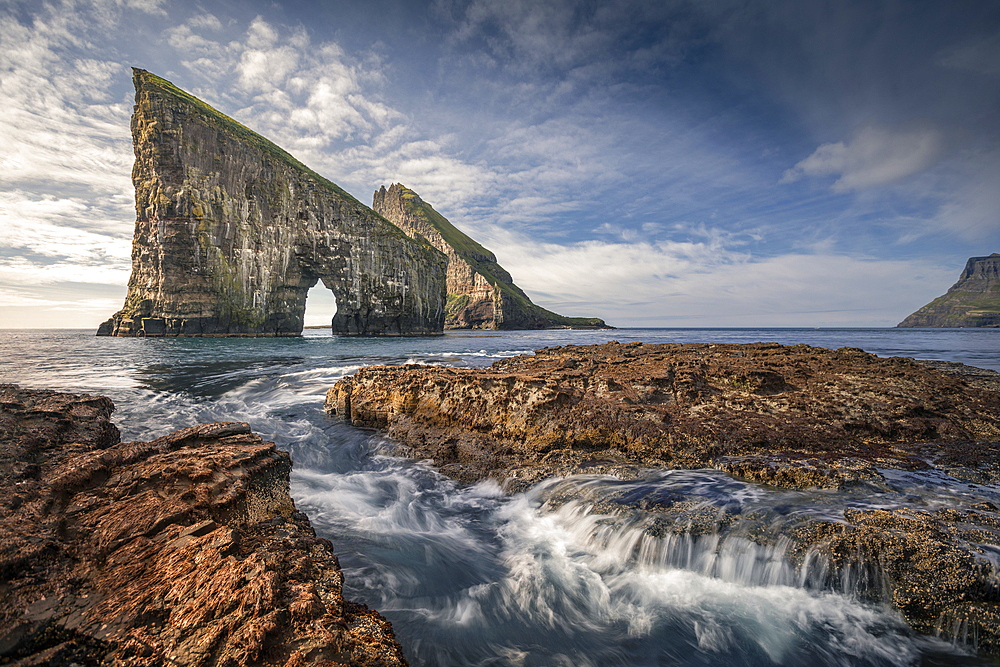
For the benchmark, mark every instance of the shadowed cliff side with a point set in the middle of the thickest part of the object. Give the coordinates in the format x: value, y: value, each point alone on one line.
x: 974, y: 301
x: 232, y: 231
x: 481, y: 294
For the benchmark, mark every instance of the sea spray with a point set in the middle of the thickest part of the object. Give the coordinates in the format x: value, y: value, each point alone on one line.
x: 526, y: 582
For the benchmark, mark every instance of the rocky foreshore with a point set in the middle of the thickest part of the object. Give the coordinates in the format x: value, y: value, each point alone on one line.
x: 185, y: 550
x: 793, y: 417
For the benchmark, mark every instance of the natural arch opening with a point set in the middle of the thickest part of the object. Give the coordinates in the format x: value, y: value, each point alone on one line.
x: 321, y: 306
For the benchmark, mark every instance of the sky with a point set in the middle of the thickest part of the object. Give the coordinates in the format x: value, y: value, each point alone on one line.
x: 675, y: 163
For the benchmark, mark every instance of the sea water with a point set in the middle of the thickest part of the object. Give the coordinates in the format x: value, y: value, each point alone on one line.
x: 471, y: 576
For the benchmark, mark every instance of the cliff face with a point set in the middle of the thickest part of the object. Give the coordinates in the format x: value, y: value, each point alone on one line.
x: 974, y: 301
x: 481, y: 294
x: 231, y: 232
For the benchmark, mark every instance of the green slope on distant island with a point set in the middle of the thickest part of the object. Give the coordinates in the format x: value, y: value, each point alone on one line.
x: 974, y: 301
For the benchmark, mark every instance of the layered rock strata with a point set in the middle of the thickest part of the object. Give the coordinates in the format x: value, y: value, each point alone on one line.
x: 186, y: 550
x: 231, y: 232
x: 794, y: 417
x: 974, y: 301
x: 481, y: 294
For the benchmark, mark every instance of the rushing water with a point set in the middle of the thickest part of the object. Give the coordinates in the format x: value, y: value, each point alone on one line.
x: 554, y: 576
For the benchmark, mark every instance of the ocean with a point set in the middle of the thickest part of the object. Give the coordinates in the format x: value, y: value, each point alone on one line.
x: 471, y: 576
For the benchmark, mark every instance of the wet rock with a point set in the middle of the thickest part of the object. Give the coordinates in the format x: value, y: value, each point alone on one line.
x: 791, y: 417
x: 786, y: 416
x: 184, y: 550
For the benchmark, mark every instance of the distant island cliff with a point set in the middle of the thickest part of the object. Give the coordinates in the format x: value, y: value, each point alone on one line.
x: 481, y: 294
x: 974, y: 301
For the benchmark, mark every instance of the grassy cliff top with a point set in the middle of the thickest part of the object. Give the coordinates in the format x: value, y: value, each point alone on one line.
x: 148, y: 81
x: 484, y: 262
x: 462, y: 243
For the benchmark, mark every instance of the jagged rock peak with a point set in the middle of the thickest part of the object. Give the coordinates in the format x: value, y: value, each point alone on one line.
x: 231, y: 232
x: 973, y: 301
x: 481, y: 293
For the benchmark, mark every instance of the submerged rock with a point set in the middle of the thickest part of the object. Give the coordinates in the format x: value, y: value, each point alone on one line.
x: 231, y: 232
x: 184, y: 550
x: 794, y: 417
x: 974, y: 301
x: 481, y: 294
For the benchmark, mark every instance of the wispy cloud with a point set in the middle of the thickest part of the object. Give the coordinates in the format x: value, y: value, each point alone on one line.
x: 66, y: 206
x: 698, y: 284
x: 978, y: 55
x: 874, y: 157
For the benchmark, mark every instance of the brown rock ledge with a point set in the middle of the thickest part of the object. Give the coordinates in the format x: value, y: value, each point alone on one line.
x: 186, y: 550
x: 794, y: 417
x: 788, y: 416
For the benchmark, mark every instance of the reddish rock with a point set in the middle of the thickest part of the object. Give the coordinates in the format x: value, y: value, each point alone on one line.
x: 790, y: 416
x: 185, y: 550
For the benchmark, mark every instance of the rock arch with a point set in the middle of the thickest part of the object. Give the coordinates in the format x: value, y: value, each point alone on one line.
x: 231, y: 232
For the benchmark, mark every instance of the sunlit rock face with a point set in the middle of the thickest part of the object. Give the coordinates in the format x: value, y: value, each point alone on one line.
x: 232, y: 231
x: 974, y: 301
x: 481, y: 294
x: 185, y: 550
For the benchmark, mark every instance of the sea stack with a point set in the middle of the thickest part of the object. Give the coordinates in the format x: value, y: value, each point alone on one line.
x: 231, y: 232
x: 481, y: 294
x: 974, y: 301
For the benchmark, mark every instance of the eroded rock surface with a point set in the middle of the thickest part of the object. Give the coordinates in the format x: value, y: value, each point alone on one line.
x: 186, y: 550
x: 231, y: 232
x: 791, y: 417
x: 481, y: 293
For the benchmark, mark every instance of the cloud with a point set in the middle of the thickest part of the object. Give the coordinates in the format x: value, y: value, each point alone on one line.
x: 66, y: 199
x: 972, y: 208
x: 600, y: 150
x: 982, y: 56
x: 583, y: 41
x: 68, y: 229
x: 874, y: 157
x: 311, y: 98
x: 20, y: 271
x: 63, y: 304
x: 708, y: 284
